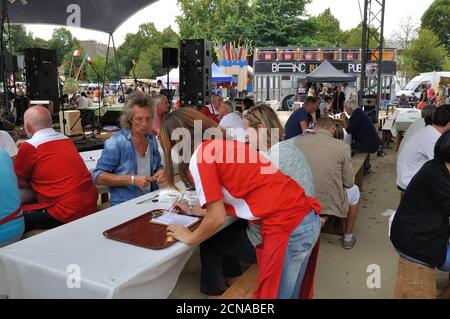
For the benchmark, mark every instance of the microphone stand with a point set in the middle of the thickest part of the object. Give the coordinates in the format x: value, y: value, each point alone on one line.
x: 99, y: 130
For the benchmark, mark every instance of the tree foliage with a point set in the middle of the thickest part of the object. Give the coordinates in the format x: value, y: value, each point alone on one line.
x: 279, y: 23
x: 353, y: 38
x: 214, y: 19
x: 64, y: 43
x: 326, y: 30
x: 145, y: 48
x: 426, y: 53
x: 98, y: 64
x: 437, y: 19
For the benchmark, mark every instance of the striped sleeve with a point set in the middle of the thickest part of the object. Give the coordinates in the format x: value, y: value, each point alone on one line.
x: 206, y: 178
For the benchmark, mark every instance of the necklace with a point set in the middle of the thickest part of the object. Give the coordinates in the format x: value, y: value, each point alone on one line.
x: 141, y: 146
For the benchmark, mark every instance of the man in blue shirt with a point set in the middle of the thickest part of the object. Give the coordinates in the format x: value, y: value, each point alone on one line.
x: 365, y: 136
x: 11, y: 218
x: 301, y: 119
x: 131, y: 163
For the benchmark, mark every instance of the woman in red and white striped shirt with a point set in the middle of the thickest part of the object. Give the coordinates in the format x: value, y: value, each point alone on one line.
x: 231, y: 178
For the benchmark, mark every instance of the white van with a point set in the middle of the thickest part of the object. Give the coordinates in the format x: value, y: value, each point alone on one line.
x: 414, y: 86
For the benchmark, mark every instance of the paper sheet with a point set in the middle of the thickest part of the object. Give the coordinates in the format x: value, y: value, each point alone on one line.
x: 175, y: 219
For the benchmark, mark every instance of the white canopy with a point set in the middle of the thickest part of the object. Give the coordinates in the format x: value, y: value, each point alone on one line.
x: 174, y: 76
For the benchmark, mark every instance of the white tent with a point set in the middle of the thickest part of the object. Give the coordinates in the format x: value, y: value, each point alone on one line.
x: 174, y: 76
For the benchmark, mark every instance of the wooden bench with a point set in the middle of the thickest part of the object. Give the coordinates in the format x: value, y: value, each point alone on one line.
x: 386, y: 134
x: 381, y: 121
x: 415, y: 281
x: 336, y: 225
x: 244, y: 287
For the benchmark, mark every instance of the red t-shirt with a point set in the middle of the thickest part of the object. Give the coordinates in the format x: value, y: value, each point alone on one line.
x: 58, y: 176
x: 253, y: 189
x: 250, y: 186
x: 210, y: 112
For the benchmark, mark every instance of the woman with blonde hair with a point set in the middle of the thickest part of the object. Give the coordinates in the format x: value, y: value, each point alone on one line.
x: 230, y: 179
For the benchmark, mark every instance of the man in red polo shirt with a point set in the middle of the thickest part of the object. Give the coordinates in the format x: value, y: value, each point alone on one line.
x: 50, y: 165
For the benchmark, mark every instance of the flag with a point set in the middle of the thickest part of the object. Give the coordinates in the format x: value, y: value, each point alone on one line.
x: 77, y: 53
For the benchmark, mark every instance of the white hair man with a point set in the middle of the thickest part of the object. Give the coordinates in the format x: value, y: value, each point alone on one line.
x: 50, y: 165
x: 231, y: 122
x: 365, y: 136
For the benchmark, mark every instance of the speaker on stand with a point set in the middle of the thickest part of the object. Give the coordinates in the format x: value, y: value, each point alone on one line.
x: 42, y: 76
x: 195, y: 72
x: 169, y: 61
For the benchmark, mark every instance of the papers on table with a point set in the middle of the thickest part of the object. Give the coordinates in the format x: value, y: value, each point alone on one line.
x: 175, y: 219
x: 172, y: 195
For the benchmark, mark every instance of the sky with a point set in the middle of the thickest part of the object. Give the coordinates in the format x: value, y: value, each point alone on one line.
x: 163, y: 13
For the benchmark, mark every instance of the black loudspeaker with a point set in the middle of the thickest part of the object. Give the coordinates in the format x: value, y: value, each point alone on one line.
x: 195, y: 72
x: 11, y: 63
x: 196, y: 53
x: 111, y: 118
x: 42, y: 75
x: 170, y: 58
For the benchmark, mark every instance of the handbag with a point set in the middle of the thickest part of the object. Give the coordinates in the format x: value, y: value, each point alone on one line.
x: 421, y: 105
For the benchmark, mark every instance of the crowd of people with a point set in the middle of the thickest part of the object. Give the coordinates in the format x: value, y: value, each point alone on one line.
x: 282, y: 182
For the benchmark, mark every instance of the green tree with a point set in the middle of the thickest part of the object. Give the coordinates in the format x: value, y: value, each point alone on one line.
x: 145, y: 48
x: 353, y: 38
x: 437, y: 19
x: 143, y: 68
x: 38, y: 42
x: 402, y: 39
x: 328, y: 31
x: 426, y: 53
x: 19, y: 38
x: 64, y: 43
x: 279, y: 23
x: 218, y: 20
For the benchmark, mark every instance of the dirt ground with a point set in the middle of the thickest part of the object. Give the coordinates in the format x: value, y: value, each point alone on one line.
x: 344, y: 273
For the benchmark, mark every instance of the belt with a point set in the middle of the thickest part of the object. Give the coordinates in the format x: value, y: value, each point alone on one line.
x: 16, y: 215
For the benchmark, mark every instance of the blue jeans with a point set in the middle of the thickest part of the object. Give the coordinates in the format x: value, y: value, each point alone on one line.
x: 301, y: 243
x: 445, y: 267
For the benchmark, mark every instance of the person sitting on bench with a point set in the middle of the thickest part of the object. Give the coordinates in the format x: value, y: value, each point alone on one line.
x: 419, y: 148
x: 365, y: 136
x: 11, y: 217
x: 334, y: 179
x: 49, y: 164
x: 130, y: 163
x: 420, y: 230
